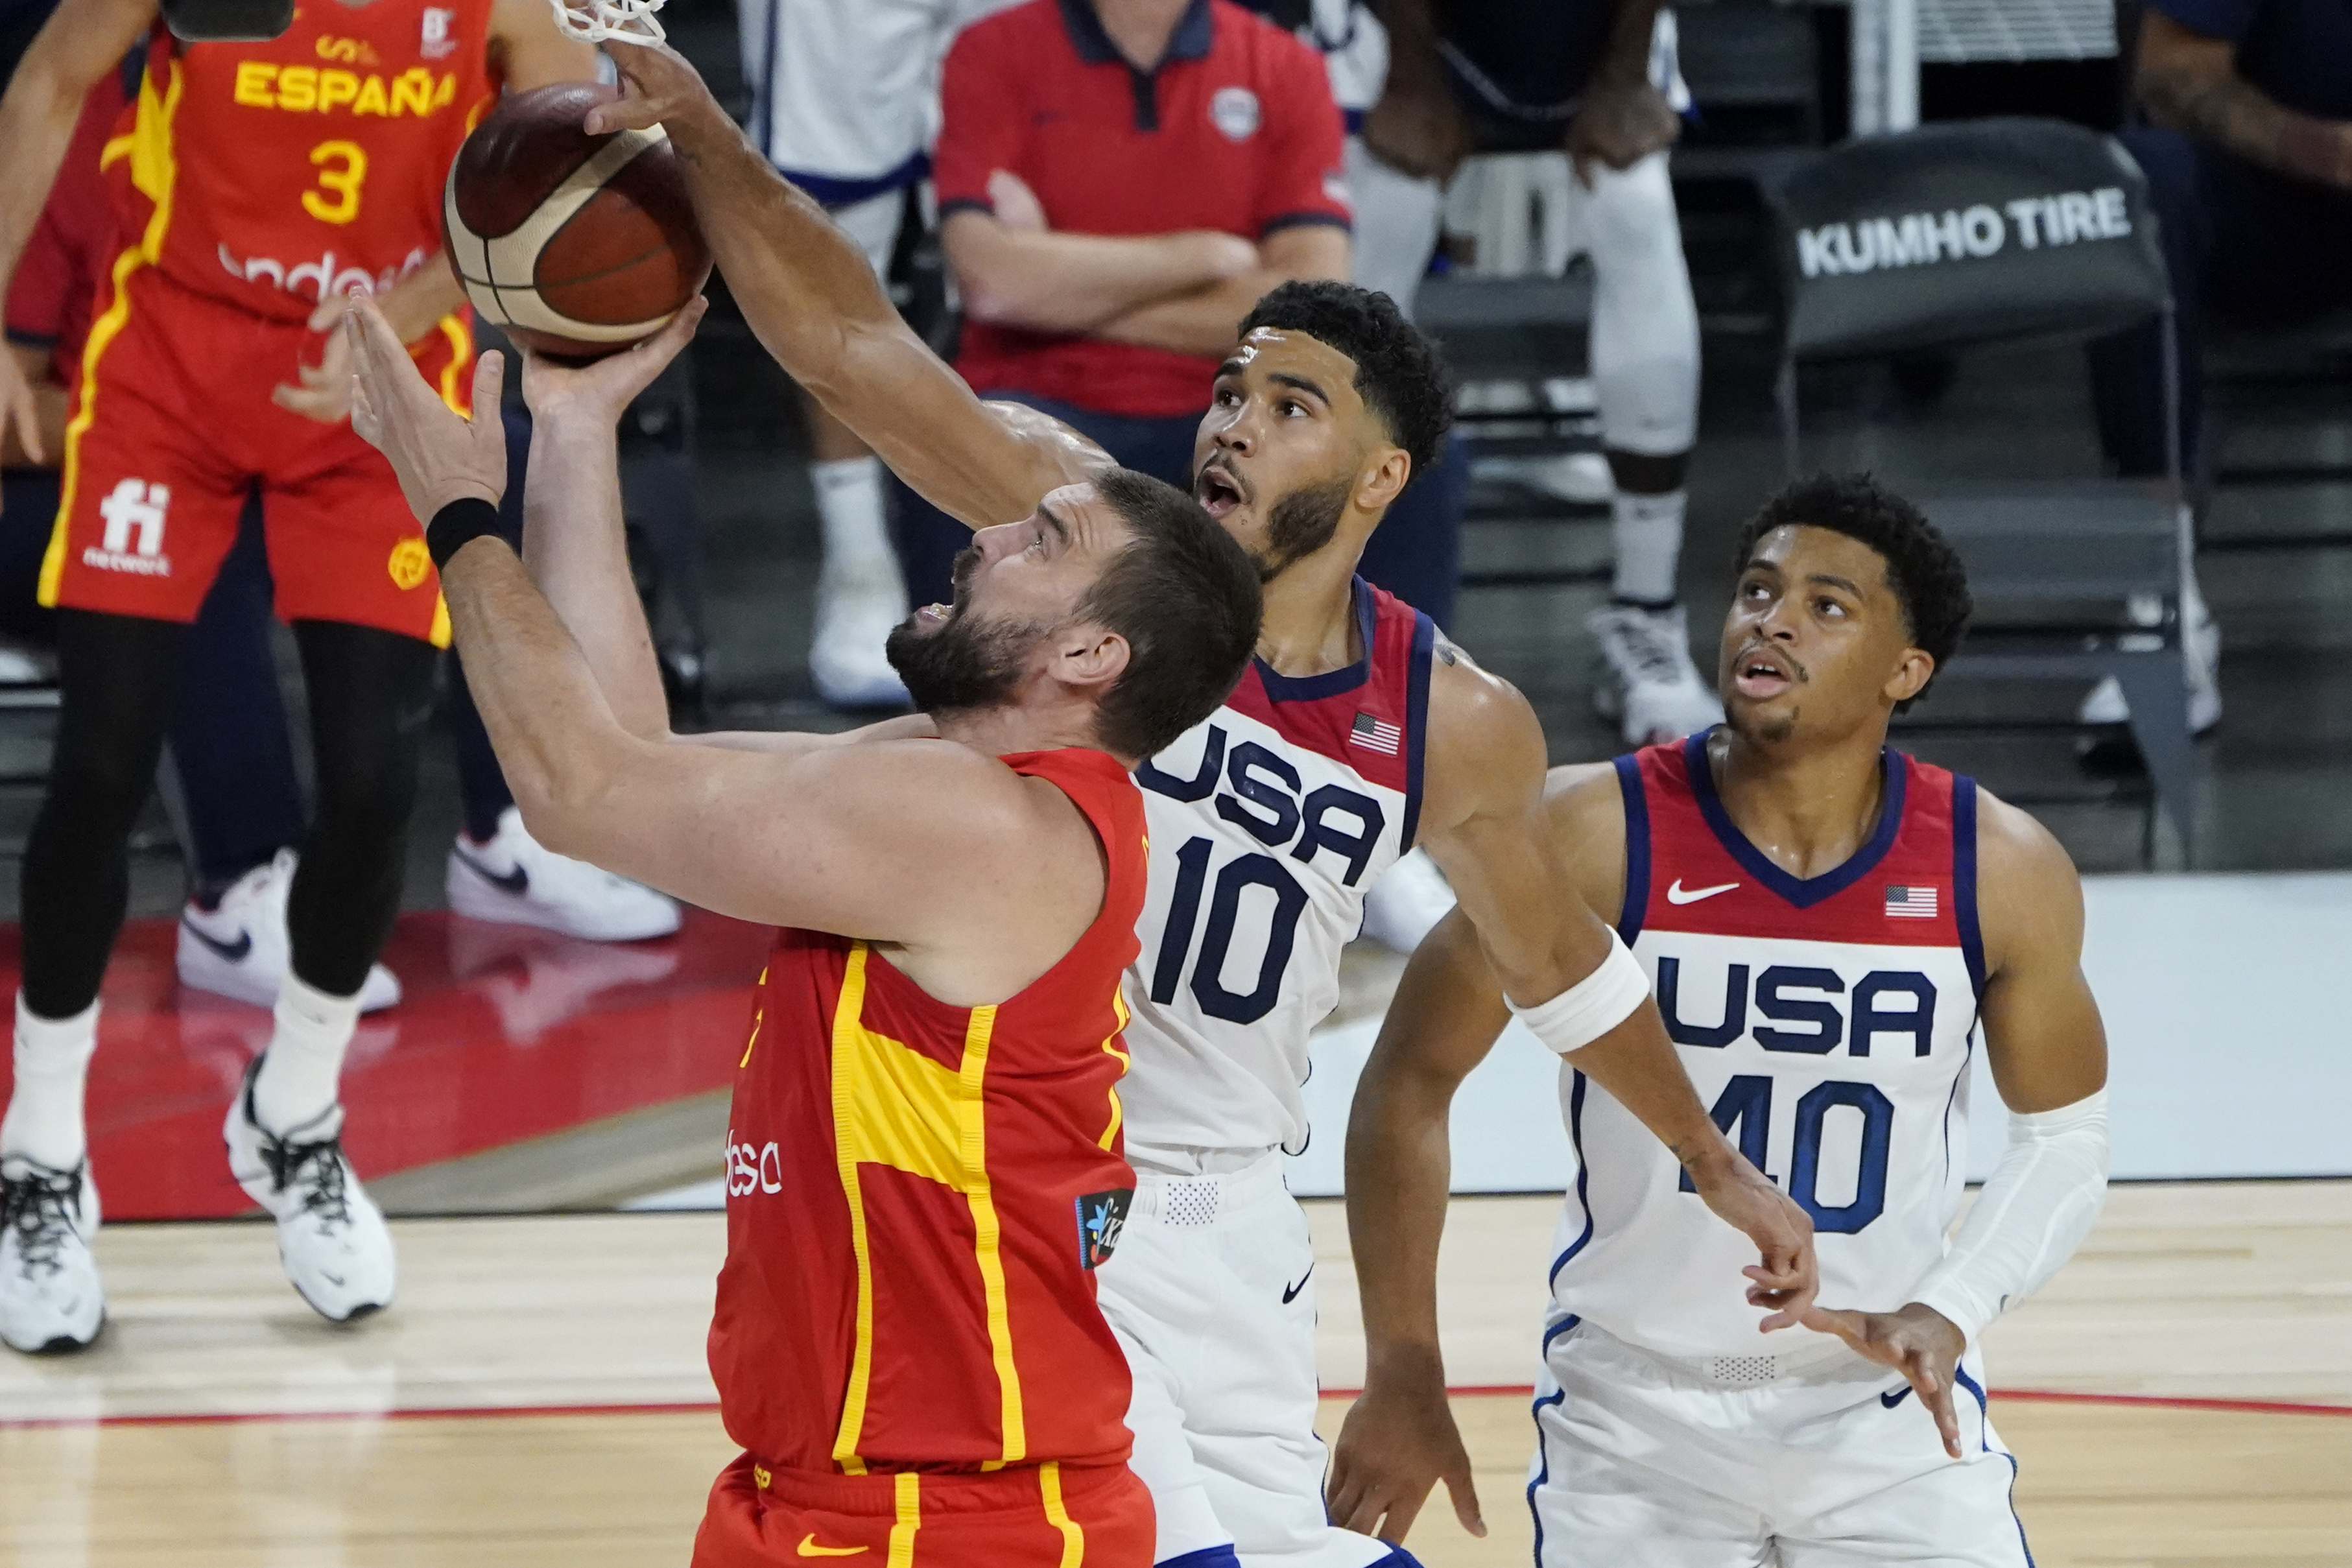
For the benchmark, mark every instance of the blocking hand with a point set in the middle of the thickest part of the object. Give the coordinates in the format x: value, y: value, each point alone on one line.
x: 438, y: 455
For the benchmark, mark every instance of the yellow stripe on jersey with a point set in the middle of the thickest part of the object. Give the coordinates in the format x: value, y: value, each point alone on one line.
x: 1110, y: 1046
x: 154, y: 170
x: 909, y: 1499
x: 1074, y: 1536
x: 897, y: 1108
x: 117, y: 148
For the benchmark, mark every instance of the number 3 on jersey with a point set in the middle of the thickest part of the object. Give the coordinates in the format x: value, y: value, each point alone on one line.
x: 1234, y: 881
x: 341, y: 166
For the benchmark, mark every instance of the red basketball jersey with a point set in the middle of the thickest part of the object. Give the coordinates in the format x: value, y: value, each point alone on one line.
x: 274, y: 173
x: 917, y: 1195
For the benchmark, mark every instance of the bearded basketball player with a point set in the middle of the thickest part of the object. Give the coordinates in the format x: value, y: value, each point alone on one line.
x: 906, y: 1342
x: 1356, y: 732
x: 1827, y: 923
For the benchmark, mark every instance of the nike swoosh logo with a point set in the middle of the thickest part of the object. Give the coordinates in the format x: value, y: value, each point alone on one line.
x: 1896, y: 1398
x: 234, y: 952
x: 809, y: 1548
x: 1291, y: 1294
x: 517, y: 881
x: 1677, y: 894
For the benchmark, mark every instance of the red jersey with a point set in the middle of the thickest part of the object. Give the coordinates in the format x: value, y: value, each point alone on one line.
x: 272, y: 175
x: 58, y: 274
x: 917, y: 1195
x: 1234, y: 131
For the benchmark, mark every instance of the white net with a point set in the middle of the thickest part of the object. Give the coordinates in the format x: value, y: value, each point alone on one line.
x: 595, y: 21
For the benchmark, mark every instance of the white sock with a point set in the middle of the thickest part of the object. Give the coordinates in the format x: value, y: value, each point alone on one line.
x: 849, y: 502
x: 1649, y: 534
x: 52, y: 1057
x: 305, y: 1059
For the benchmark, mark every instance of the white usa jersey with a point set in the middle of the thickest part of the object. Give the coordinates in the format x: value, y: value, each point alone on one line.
x: 1269, y: 821
x: 1828, y: 1022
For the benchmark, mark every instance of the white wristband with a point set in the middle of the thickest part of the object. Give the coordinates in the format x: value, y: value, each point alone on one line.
x: 1593, y: 1005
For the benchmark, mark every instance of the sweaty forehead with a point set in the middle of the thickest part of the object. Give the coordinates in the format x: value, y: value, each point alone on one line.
x: 1802, y: 550
x: 1283, y: 350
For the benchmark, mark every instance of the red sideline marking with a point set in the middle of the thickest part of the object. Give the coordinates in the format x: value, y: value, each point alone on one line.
x: 2254, y: 1407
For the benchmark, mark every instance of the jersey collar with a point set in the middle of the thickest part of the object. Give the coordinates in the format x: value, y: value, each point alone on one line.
x: 1190, y: 41
x: 1280, y: 687
x: 1802, y: 891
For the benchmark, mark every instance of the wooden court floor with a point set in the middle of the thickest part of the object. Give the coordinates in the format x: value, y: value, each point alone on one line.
x: 217, y: 1424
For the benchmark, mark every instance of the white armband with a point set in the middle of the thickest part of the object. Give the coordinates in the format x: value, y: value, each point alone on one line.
x: 2040, y: 1203
x: 1593, y: 1005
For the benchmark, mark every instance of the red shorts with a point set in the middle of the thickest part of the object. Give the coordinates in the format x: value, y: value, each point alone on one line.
x: 174, y: 425
x: 1037, y: 1516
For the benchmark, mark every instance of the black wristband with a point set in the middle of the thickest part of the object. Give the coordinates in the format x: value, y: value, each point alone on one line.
x: 458, y: 524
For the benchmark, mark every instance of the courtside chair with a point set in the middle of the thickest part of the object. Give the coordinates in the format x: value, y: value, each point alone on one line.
x: 1957, y: 236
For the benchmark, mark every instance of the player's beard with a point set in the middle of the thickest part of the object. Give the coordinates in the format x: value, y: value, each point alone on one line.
x: 970, y: 663
x: 1300, y: 523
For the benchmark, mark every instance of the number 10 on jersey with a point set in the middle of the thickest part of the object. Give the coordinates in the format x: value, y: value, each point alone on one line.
x: 1224, y: 908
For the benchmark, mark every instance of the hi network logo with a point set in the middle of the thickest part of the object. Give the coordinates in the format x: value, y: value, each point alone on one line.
x: 1102, y: 1216
x: 134, y: 507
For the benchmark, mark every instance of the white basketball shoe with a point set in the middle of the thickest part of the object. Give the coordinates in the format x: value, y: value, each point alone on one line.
x: 1650, y: 687
x: 331, y: 1236
x: 51, y: 1298
x: 518, y: 880
x: 239, y: 949
x: 857, y: 609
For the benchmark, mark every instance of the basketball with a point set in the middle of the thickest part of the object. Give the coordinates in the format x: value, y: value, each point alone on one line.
x: 578, y: 245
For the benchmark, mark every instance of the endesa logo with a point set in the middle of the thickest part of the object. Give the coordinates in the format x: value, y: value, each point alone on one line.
x: 318, y: 279
x: 754, y: 1167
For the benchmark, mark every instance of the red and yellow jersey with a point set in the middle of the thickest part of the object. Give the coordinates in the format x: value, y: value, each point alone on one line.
x: 270, y: 174
x: 917, y: 1195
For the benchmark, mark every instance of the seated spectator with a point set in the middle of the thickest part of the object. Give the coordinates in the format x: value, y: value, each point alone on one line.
x: 2249, y: 164
x: 1118, y: 181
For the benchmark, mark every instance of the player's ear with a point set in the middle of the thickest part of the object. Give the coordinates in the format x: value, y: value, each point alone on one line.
x: 1911, y: 675
x: 1090, y: 656
x: 1386, y: 471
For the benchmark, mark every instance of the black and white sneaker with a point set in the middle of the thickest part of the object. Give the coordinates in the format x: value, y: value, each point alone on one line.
x: 51, y: 1298
x: 239, y: 948
x: 331, y: 1236
x: 515, y: 879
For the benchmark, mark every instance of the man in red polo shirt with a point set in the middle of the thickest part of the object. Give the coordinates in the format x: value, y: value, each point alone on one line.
x: 1118, y: 181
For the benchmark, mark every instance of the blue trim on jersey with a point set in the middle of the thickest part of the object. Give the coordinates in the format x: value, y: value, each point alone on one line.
x: 1398, y: 1557
x: 1355, y: 119
x: 1583, y: 1175
x: 1207, y: 1557
x: 1555, y: 1331
x: 830, y: 191
x: 1964, y: 879
x: 1984, y: 1443
x: 1543, y: 1463
x: 1802, y: 891
x: 1952, y: 1098
x: 1416, y: 718
x: 762, y: 122
x: 1281, y: 687
x: 1637, y: 849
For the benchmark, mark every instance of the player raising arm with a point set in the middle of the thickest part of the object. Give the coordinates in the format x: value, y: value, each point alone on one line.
x: 1354, y: 734
x: 1826, y: 922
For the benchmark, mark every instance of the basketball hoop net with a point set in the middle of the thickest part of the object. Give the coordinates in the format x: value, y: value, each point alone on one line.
x: 593, y: 21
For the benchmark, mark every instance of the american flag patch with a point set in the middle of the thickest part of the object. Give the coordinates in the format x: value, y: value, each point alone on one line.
x: 1910, y: 903
x: 1376, y: 734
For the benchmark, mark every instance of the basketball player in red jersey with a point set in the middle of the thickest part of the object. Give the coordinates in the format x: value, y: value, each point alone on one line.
x: 1829, y: 923
x: 1318, y: 419
x: 924, y: 1155
x: 268, y: 179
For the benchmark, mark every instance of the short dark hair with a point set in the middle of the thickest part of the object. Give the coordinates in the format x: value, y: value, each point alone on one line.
x: 1399, y: 373
x: 1922, y: 567
x: 1185, y: 596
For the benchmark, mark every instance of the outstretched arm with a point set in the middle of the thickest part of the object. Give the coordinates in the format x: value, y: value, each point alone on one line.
x: 843, y: 838
x: 1446, y: 1014
x: 2048, y: 1051
x: 806, y: 291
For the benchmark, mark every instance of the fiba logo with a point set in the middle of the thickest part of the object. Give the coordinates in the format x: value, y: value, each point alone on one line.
x: 133, y: 506
x: 439, y: 40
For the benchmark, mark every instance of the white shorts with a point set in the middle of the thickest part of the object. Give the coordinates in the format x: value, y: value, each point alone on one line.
x: 1644, y: 1460
x: 1212, y: 1296
x: 874, y: 225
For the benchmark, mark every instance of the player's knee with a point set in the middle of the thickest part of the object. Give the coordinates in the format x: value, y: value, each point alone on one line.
x: 1629, y: 218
